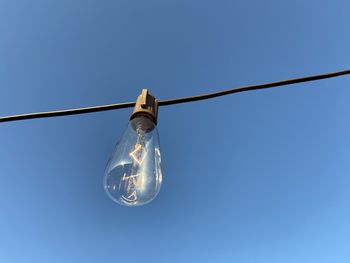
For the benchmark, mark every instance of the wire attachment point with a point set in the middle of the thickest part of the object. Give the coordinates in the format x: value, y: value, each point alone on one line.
x: 146, y: 104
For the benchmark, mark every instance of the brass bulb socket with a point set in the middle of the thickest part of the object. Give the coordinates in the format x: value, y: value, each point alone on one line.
x: 146, y: 105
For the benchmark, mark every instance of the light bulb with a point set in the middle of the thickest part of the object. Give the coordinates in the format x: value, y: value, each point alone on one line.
x: 133, y: 175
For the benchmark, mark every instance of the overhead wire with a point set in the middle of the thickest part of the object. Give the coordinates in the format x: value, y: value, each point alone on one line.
x: 108, y: 107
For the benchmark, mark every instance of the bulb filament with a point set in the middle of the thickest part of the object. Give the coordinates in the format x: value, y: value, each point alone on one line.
x: 136, y: 154
x: 133, y: 182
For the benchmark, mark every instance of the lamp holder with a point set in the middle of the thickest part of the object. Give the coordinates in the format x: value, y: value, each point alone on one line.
x: 146, y: 105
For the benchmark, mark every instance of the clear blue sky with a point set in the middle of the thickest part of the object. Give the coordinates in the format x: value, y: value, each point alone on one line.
x: 254, y: 177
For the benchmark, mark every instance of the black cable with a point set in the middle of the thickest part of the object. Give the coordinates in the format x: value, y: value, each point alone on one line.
x: 253, y: 87
x: 47, y: 114
x: 172, y: 101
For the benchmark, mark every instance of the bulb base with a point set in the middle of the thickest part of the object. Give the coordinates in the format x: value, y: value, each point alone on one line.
x: 146, y: 105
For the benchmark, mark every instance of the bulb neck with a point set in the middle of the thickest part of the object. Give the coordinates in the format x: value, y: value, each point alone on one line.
x: 147, y: 106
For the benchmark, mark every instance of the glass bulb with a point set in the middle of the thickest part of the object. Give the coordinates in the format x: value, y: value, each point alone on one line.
x: 133, y: 175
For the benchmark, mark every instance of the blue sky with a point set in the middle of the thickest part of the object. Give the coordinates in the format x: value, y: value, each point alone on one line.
x: 254, y: 177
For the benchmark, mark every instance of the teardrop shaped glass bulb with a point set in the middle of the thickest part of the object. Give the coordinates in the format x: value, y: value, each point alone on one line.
x: 133, y: 175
